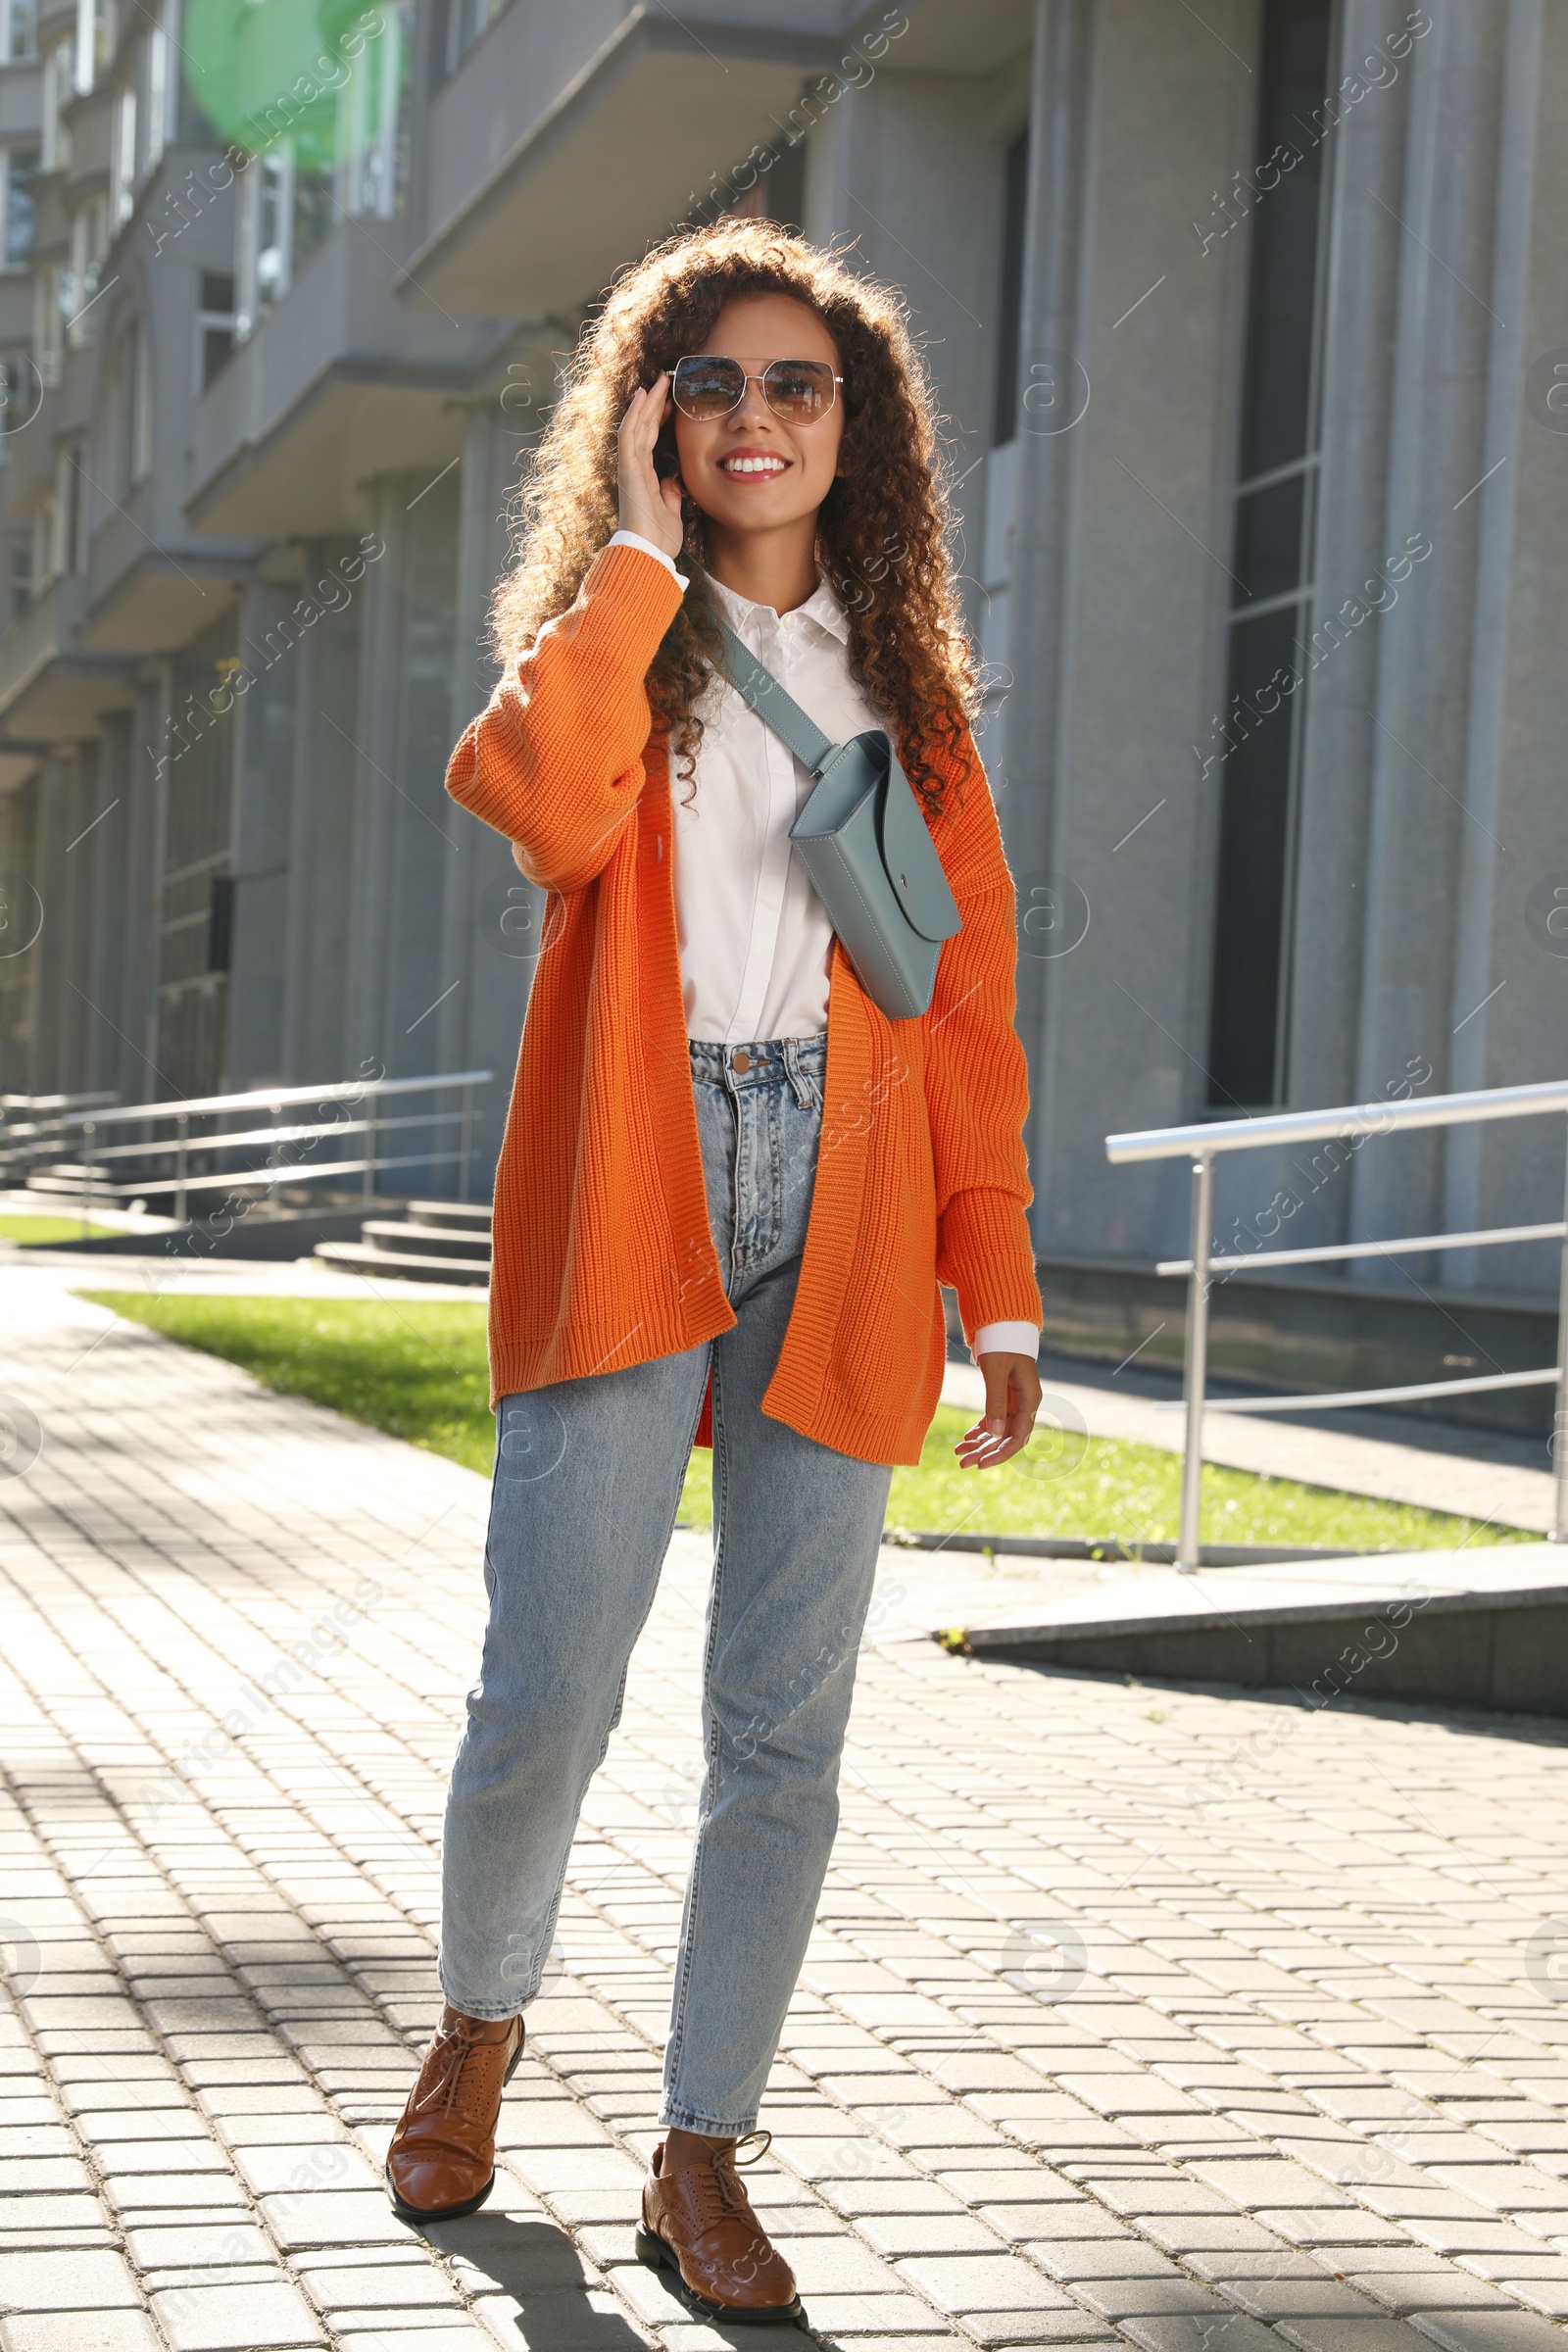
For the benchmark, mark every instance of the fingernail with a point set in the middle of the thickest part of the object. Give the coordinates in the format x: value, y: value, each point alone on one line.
x: 996, y: 1428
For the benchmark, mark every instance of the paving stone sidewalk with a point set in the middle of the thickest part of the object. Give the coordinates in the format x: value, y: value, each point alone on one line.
x: 1201, y: 2021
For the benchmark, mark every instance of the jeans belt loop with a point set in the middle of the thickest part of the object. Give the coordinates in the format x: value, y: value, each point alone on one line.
x: 805, y: 1091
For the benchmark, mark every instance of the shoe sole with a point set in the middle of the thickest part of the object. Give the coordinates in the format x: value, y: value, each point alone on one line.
x: 657, y: 2256
x: 418, y: 2214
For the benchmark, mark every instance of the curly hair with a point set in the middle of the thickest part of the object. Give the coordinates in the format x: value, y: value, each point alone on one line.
x: 881, y: 530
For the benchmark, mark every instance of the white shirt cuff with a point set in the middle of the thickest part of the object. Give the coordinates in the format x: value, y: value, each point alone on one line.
x: 632, y: 539
x: 1006, y: 1339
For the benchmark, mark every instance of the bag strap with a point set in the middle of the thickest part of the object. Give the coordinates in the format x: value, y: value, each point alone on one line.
x: 761, y: 692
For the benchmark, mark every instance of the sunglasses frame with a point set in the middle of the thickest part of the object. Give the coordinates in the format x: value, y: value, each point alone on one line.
x: 751, y: 378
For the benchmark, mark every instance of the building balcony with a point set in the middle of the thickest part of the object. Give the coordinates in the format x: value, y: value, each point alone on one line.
x: 15, y: 309
x: 50, y: 689
x: 527, y: 223
x: 149, y: 589
x: 338, y: 385
x: 20, y: 104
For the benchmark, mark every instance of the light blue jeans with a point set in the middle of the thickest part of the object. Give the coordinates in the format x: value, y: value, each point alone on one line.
x: 587, y: 1480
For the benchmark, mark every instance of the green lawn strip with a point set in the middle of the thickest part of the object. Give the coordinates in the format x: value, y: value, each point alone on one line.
x: 420, y: 1372
x: 36, y: 1233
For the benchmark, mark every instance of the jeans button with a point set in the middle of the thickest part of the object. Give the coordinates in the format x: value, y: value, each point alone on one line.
x: 741, y: 1063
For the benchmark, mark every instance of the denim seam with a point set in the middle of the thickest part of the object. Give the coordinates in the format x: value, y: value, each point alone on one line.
x: 688, y: 1941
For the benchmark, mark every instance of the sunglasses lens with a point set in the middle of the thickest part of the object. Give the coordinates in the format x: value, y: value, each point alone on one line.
x: 709, y: 387
x: 799, y: 390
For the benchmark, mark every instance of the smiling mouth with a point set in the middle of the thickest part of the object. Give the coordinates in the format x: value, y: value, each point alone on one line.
x: 753, y: 467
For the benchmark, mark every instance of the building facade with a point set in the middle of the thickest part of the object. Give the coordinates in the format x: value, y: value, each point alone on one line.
x: 1250, y: 330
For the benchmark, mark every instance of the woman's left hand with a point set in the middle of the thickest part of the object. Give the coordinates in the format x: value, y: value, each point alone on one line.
x: 1012, y: 1399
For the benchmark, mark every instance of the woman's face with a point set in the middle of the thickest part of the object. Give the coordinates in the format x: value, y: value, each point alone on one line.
x: 749, y: 471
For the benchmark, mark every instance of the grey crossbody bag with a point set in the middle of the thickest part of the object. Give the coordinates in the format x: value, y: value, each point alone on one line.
x: 865, y: 842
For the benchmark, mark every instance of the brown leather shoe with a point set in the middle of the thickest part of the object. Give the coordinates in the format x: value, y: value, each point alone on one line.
x: 442, y: 2160
x: 698, y: 2227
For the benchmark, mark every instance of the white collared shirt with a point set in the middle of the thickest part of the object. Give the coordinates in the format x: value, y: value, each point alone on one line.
x: 756, y: 943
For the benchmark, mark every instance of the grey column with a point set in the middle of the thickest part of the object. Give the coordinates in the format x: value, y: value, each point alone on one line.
x: 1445, y: 324
x: 1054, y: 338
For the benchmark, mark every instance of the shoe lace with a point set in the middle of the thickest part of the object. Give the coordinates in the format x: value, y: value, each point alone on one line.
x: 721, y: 2196
x: 456, y: 2086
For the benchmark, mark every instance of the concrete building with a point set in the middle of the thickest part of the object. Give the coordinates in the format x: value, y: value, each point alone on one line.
x: 1249, y: 328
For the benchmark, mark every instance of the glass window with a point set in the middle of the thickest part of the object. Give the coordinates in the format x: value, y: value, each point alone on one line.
x: 1259, y: 741
x: 21, y: 169
x: 1009, y: 297
x: 141, y: 404
x: 16, y: 376
x: 468, y: 19
x: 122, y: 172
x: 215, y: 326
x: 21, y: 30
x: 59, y: 75
x: 157, y: 89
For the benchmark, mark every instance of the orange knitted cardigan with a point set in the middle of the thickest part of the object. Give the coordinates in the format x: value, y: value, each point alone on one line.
x: 603, y: 1255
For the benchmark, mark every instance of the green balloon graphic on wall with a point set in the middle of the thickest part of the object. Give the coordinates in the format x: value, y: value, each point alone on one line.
x: 323, y: 74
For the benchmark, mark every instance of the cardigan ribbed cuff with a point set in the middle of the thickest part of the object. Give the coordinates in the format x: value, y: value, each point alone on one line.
x: 984, y: 1251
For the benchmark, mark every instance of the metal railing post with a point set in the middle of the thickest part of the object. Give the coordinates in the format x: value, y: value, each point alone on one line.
x: 86, y: 1190
x: 465, y: 1165
x: 1195, y: 1370
x: 181, y: 1131
x: 368, y: 1188
x: 1560, y: 1420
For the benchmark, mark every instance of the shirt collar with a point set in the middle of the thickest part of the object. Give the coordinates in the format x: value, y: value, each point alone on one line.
x: 821, y: 606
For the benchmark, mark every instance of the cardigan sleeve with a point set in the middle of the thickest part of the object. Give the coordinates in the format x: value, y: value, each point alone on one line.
x: 976, y: 1079
x: 554, y: 761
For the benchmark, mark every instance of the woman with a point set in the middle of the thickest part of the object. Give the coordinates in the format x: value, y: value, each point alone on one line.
x: 729, y: 1185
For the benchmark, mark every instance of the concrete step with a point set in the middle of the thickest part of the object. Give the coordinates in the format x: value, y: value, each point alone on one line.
x: 474, y: 1213
x: 393, y: 1234
x: 365, y: 1258
x: 1474, y: 1627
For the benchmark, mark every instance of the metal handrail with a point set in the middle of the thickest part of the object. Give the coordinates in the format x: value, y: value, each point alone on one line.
x: 262, y: 1097
x: 36, y: 1141
x: 1201, y: 1143
x: 1355, y: 1118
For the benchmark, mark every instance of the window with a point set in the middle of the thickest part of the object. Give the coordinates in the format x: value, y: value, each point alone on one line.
x: 1271, y: 563
x: 16, y: 195
x: 141, y: 404
x: 94, y: 44
x: 1010, y: 304
x: 352, y: 160
x: 20, y: 32
x: 46, y: 326
x: 16, y: 405
x: 215, y: 326
x: 123, y: 160
x: 67, y: 510
x: 372, y: 127
x: 157, y: 89
x: 58, y: 77
x: 90, y: 242
x: 465, y: 22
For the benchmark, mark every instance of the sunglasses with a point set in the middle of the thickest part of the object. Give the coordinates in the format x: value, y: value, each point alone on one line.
x: 797, y: 391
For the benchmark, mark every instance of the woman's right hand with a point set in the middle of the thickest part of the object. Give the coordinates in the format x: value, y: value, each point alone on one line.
x: 648, y: 506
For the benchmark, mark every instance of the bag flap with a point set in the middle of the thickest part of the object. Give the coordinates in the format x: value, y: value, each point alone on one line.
x: 910, y: 856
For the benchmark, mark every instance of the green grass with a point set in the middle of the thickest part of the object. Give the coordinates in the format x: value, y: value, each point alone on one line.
x: 37, y: 1233
x: 420, y: 1372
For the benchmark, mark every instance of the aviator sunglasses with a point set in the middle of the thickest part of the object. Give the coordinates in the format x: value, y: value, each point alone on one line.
x: 797, y: 391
